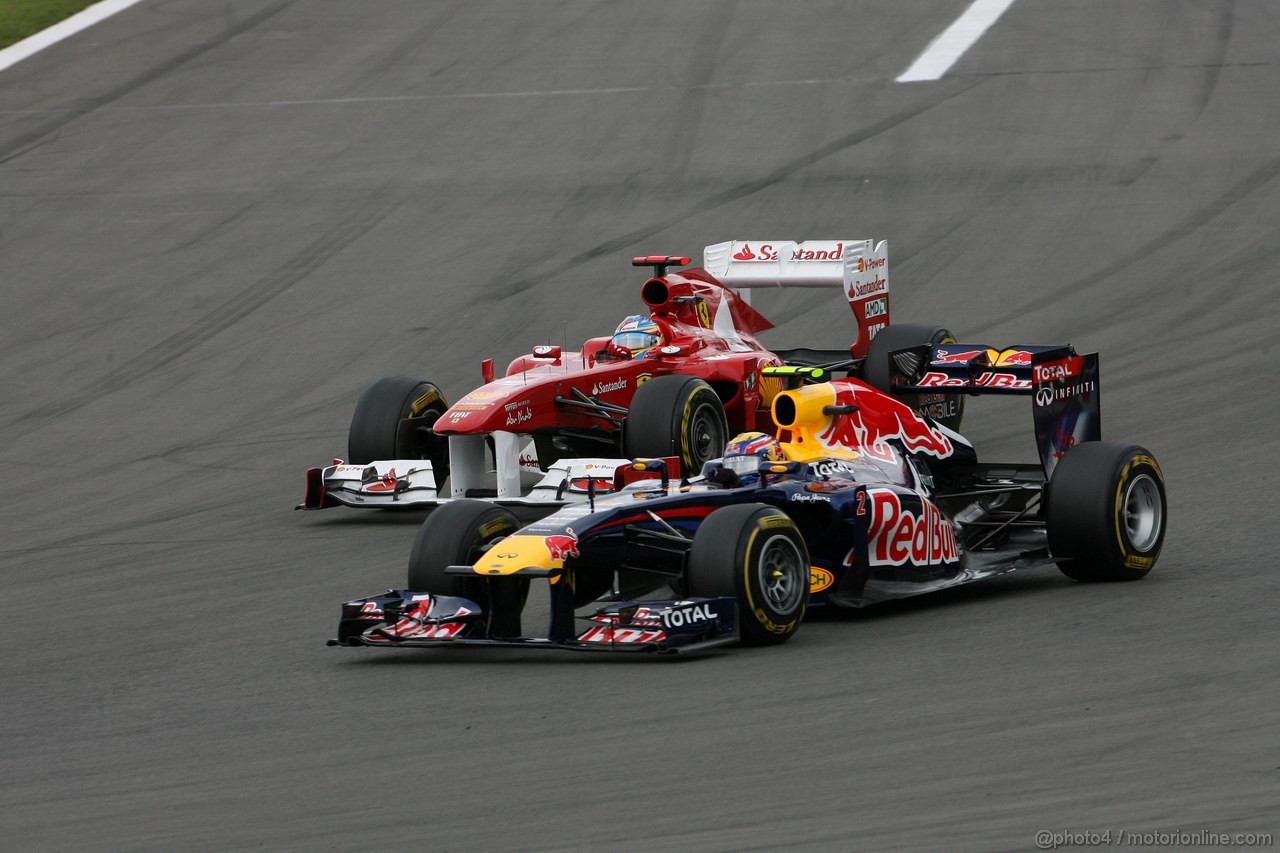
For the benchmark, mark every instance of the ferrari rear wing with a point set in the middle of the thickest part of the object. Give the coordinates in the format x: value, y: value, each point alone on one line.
x: 1063, y: 385
x: 860, y: 268
x: 745, y: 264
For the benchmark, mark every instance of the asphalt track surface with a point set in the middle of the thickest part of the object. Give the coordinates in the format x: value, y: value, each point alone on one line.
x: 220, y: 221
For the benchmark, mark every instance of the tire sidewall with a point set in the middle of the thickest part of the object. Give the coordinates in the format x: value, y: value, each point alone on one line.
x: 701, y: 401
x: 1087, y: 533
x: 725, y: 561
x: 1139, y: 463
x: 663, y: 413
x: 374, y: 433
x: 448, y: 536
x: 760, y: 612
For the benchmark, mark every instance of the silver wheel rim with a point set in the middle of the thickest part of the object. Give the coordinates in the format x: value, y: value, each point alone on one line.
x: 1143, y: 512
x: 783, y: 574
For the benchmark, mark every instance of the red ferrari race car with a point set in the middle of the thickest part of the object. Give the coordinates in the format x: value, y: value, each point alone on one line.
x: 676, y: 381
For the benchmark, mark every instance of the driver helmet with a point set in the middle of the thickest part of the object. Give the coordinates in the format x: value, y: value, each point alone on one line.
x: 744, y: 453
x: 637, y: 337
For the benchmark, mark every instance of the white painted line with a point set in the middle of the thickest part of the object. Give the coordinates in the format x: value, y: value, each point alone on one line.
x: 943, y: 51
x: 83, y: 19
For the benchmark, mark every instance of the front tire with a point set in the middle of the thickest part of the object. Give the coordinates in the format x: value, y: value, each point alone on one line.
x: 676, y: 416
x: 393, y: 420
x: 879, y: 373
x: 1106, y: 517
x: 755, y: 554
x: 458, y: 534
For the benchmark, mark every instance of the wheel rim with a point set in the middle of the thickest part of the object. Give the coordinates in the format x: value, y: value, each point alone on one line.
x: 1143, y: 512
x: 422, y: 438
x: 706, y: 434
x: 782, y: 574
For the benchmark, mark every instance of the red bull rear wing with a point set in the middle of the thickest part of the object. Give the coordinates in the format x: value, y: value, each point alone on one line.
x: 1063, y: 385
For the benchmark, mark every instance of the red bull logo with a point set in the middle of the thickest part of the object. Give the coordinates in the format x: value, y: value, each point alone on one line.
x: 1013, y: 358
x: 877, y: 419
x: 944, y: 356
x: 562, y: 546
x: 898, y: 535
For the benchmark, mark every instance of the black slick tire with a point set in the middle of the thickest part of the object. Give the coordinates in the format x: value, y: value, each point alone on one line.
x: 1107, y: 512
x: 879, y: 373
x: 458, y: 534
x: 392, y: 420
x: 676, y: 416
x: 755, y: 554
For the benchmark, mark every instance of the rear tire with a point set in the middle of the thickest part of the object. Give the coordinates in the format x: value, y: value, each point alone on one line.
x: 879, y: 373
x: 1107, y: 512
x: 392, y: 421
x: 755, y: 554
x: 677, y: 416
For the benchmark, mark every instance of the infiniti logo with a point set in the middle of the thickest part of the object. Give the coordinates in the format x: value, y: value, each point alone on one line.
x: 1044, y: 396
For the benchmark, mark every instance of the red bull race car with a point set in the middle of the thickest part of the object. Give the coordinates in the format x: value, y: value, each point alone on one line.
x: 676, y: 381
x: 855, y: 497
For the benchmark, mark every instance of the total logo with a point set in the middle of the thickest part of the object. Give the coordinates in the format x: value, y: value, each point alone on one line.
x: 833, y: 468
x: 619, y: 384
x: 899, y: 535
x: 678, y: 618
x: 1064, y: 368
x: 802, y: 252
